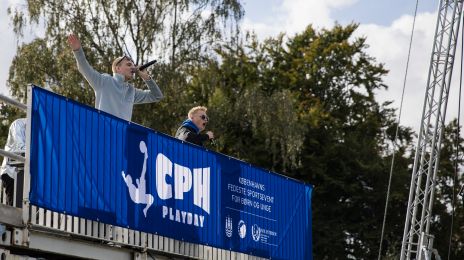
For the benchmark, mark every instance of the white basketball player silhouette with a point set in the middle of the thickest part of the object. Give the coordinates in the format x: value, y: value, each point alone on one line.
x: 139, y: 194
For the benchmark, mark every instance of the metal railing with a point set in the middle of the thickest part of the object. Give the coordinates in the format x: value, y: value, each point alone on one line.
x: 13, y: 102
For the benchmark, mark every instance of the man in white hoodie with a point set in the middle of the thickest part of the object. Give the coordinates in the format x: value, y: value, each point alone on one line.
x: 15, y: 143
x: 113, y: 94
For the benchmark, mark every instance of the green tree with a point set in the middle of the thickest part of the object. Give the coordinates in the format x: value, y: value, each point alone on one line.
x: 305, y: 106
x: 449, y: 180
x: 253, y: 123
x: 343, y: 153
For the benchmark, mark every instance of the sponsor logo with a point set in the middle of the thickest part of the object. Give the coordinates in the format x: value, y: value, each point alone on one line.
x: 241, y: 229
x: 255, y: 232
x: 228, y: 226
x: 263, y: 235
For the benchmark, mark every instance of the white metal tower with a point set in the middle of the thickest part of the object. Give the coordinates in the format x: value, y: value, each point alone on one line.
x: 417, y: 241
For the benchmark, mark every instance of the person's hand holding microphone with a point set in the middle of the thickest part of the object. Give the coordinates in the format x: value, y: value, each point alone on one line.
x: 211, y: 137
x: 141, y: 70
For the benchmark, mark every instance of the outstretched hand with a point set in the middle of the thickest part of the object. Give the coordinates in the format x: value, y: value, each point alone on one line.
x: 74, y: 42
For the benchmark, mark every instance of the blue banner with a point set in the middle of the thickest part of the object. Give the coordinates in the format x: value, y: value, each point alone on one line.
x: 90, y: 164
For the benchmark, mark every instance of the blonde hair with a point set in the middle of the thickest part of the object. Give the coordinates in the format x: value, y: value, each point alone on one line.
x: 118, y: 60
x: 196, y: 109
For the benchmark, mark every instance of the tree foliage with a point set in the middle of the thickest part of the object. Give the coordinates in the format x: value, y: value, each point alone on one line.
x: 179, y: 34
x: 448, y: 211
x: 283, y: 104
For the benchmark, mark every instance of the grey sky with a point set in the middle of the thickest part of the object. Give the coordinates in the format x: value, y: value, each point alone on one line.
x: 381, y: 12
x: 385, y: 23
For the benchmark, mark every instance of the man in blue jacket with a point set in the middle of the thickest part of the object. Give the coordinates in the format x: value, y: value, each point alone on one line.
x: 113, y: 94
x: 190, y: 130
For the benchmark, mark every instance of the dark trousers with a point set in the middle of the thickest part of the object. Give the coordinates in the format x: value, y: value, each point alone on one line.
x: 8, y: 185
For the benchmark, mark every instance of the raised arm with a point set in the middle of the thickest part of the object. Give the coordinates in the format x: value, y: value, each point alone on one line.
x: 92, y: 76
x: 74, y: 42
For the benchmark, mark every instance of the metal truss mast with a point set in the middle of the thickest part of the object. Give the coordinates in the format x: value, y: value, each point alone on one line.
x: 417, y: 241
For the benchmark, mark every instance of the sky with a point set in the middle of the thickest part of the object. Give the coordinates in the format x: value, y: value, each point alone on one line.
x: 386, y: 24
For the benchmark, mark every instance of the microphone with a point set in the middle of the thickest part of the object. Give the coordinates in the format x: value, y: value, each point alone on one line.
x: 146, y: 65
x: 213, y: 141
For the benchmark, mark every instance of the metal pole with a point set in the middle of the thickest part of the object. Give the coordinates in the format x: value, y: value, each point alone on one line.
x: 13, y: 102
x: 11, y: 155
